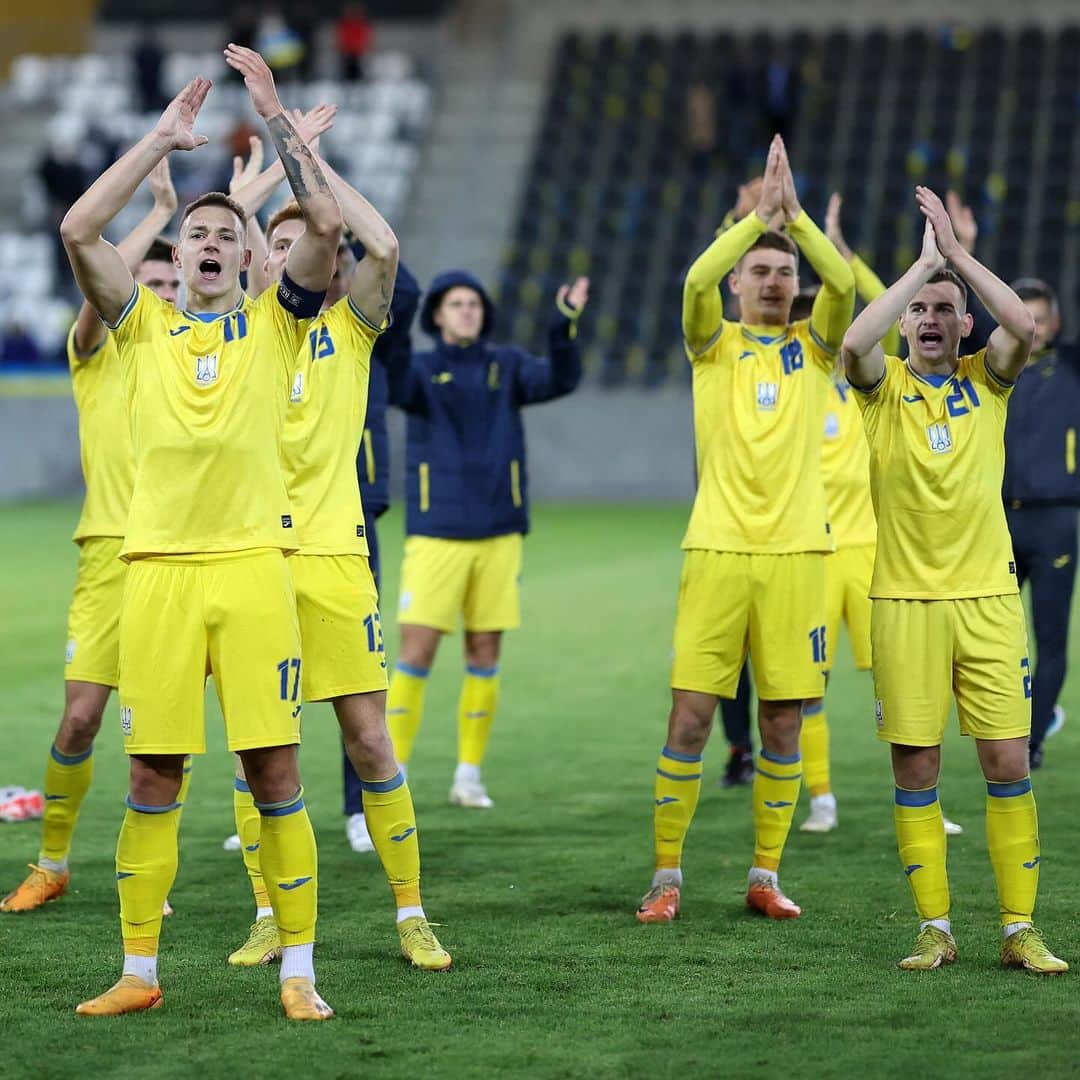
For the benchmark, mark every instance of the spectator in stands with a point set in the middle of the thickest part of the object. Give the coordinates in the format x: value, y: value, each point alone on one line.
x: 701, y: 128
x: 355, y: 35
x: 279, y: 44
x: 147, y: 59
x: 64, y: 179
x: 18, y: 348
x: 1042, y: 492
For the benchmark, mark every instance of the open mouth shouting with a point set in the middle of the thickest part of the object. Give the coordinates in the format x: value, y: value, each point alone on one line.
x: 931, y: 340
x: 210, y: 269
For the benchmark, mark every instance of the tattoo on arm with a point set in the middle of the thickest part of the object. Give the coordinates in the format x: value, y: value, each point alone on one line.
x: 302, y: 171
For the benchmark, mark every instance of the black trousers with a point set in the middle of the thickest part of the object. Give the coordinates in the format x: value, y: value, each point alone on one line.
x: 354, y: 793
x: 735, y: 713
x: 1044, y: 543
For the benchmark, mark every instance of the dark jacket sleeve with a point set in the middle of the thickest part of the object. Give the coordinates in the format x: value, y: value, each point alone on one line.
x: 405, y: 388
x: 546, y: 378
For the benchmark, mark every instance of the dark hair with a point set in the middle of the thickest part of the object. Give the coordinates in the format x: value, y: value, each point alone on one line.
x: 953, y: 278
x: 773, y: 241
x: 1030, y: 288
x: 159, y: 251
x: 289, y: 212
x: 213, y: 198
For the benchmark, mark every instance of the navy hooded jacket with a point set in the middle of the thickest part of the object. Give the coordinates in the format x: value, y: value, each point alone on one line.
x: 466, y: 476
x: 391, y: 350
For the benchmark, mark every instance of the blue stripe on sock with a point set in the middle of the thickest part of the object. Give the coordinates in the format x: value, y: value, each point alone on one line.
x: 904, y: 797
x: 1010, y: 790
x: 814, y: 710
x: 686, y: 759
x: 242, y: 785
x: 773, y: 776
x: 416, y: 672
x: 381, y: 787
x: 780, y: 759
x: 69, y: 759
x: 280, y: 809
x: 672, y: 776
x: 482, y: 672
x: 139, y: 808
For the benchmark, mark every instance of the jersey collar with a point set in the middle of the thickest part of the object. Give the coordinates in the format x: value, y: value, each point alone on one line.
x: 213, y: 316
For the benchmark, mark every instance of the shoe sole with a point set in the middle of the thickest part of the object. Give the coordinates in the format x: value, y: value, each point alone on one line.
x: 807, y: 827
x: 941, y: 962
x: 420, y: 967
x: 648, y: 917
x: 35, y: 907
x: 1023, y: 965
x: 272, y: 957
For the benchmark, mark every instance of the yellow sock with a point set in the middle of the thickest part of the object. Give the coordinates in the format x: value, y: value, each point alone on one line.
x: 814, y: 748
x: 146, y: 858
x: 67, y: 780
x: 289, y: 862
x: 1012, y: 834
x: 405, y: 707
x: 776, y: 791
x: 476, y: 710
x: 678, y: 785
x: 391, y: 823
x: 249, y: 828
x: 920, y: 834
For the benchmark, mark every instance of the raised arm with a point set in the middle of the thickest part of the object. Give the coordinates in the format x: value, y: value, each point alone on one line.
x: 546, y: 378
x: 103, y: 277
x: 90, y: 331
x: 1010, y: 344
x: 861, y: 352
x: 312, y: 257
x: 703, y: 310
x: 372, y: 285
x: 246, y: 177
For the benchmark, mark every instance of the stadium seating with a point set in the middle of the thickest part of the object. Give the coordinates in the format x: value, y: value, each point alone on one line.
x: 375, y: 144
x: 617, y: 190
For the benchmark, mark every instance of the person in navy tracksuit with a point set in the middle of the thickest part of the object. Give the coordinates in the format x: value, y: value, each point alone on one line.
x: 373, y: 471
x: 467, y: 501
x: 1042, y: 493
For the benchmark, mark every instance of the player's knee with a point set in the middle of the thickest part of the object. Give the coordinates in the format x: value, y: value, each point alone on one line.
x: 689, y: 724
x: 482, y: 649
x: 780, y: 720
x: 916, y: 768
x: 79, y: 727
x: 1004, y: 761
x: 155, y: 780
x: 272, y: 774
x: 419, y: 644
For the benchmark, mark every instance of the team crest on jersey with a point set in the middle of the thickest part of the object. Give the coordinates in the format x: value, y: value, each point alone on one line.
x: 69, y: 652
x: 125, y: 719
x: 832, y: 425
x: 206, y: 369
x: 768, y: 394
x: 940, y: 438
x: 879, y: 714
x: 297, y: 392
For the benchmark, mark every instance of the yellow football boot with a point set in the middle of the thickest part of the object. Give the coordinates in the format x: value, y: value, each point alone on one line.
x: 420, y: 946
x: 933, y: 948
x: 129, y: 995
x: 301, y: 1002
x: 1027, y: 949
x: 263, y: 945
x: 37, y: 888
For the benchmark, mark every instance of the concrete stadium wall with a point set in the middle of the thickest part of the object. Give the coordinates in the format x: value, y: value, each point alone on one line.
x: 597, y: 445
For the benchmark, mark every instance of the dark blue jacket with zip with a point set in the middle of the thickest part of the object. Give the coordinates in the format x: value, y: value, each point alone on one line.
x: 466, y: 475
x: 391, y: 351
x: 1041, y: 455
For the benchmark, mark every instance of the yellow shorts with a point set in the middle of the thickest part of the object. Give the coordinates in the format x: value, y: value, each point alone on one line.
x: 93, y: 632
x: 340, y: 629
x: 773, y: 604
x: 928, y: 651
x: 847, y: 599
x: 188, y: 616
x: 444, y: 580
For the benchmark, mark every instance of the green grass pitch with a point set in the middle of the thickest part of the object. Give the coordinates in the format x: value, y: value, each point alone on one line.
x: 552, y: 976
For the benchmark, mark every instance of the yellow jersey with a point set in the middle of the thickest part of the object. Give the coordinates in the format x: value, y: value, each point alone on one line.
x: 323, y: 429
x: 206, y: 399
x: 845, y: 469
x: 108, y: 465
x: 937, y: 457
x: 759, y: 410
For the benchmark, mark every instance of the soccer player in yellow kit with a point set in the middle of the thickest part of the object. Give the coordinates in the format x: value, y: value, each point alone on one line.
x: 208, y: 589
x: 337, y: 603
x: 753, y: 572
x: 947, y: 620
x: 92, y: 656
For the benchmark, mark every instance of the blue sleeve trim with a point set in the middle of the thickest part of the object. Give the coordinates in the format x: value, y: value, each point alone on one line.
x: 819, y: 341
x: 241, y: 785
x: 387, y: 322
x: 674, y: 755
x: 381, y: 787
x: 868, y: 390
x: 140, y: 808
x: 1008, y: 791
x: 926, y: 797
x: 780, y: 759
x: 482, y: 672
x: 298, y: 301
x: 125, y: 311
x: 415, y: 672
x: 1005, y: 384
x: 69, y: 759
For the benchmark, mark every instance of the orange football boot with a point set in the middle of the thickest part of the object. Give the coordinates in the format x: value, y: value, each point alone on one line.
x: 37, y: 888
x: 767, y: 898
x: 660, y: 903
x: 129, y: 995
x: 301, y: 1002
